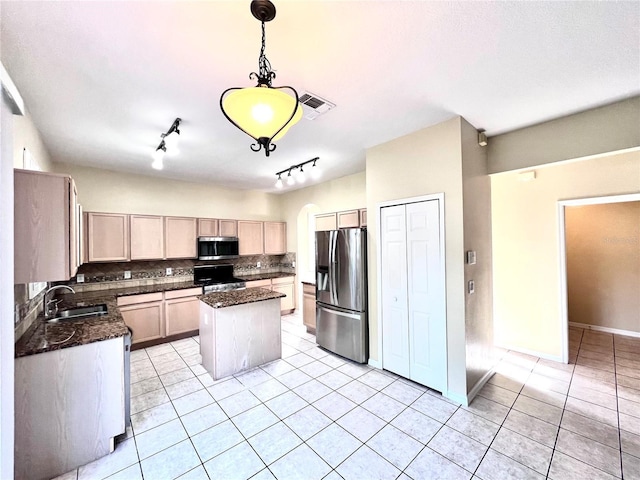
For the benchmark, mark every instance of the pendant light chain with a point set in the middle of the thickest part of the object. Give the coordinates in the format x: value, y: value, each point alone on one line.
x: 265, y: 75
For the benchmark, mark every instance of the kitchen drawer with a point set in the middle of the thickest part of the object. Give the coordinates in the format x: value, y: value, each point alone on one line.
x: 259, y: 283
x: 282, y: 280
x: 187, y: 292
x: 144, y: 298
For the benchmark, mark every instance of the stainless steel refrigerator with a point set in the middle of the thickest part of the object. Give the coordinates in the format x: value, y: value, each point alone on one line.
x: 341, y: 293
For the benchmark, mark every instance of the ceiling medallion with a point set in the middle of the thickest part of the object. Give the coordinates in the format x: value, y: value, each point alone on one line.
x: 263, y: 112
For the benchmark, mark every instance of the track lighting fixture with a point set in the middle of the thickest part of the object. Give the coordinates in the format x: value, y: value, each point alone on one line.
x: 168, y: 144
x: 263, y: 112
x: 298, y: 170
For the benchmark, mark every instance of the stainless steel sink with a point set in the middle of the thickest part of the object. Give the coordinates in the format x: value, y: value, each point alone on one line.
x: 78, y: 312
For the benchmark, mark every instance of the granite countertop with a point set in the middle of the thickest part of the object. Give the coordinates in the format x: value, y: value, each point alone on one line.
x: 309, y: 283
x: 45, y: 337
x: 239, y: 297
x: 264, y: 276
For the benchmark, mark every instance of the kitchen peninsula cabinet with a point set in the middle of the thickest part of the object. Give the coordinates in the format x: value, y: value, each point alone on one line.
x: 250, y: 237
x: 46, y: 227
x: 207, y: 227
x: 147, y: 237
x: 228, y: 228
x: 275, y: 238
x: 107, y: 237
x: 180, y: 237
x: 70, y: 404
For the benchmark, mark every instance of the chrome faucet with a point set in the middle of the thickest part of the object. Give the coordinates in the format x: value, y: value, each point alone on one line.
x: 46, y: 306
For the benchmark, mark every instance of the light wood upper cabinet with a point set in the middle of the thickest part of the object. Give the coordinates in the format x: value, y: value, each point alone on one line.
x: 147, y: 237
x: 250, y: 237
x: 228, y: 228
x: 349, y: 219
x: 363, y: 217
x: 207, y: 227
x: 326, y: 221
x: 107, y: 237
x: 44, y: 227
x: 275, y: 237
x: 180, y: 237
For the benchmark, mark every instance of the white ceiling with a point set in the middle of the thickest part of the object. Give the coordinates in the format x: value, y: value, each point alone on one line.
x: 102, y: 80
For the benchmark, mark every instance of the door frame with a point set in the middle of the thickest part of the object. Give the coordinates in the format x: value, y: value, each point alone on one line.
x: 404, y: 201
x: 562, y: 260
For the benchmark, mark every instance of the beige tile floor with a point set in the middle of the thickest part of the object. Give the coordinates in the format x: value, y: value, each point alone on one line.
x: 315, y: 415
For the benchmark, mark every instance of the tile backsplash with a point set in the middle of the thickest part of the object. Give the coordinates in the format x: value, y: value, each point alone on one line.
x: 99, y: 276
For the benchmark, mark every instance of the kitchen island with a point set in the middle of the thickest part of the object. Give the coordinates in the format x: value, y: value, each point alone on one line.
x: 239, y: 330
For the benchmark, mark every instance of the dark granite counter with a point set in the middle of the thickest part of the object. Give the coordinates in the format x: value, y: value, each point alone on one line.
x: 45, y: 337
x: 264, y: 276
x: 239, y: 297
x: 313, y: 284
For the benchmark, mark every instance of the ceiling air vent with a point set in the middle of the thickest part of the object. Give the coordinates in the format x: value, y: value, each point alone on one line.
x: 314, y: 106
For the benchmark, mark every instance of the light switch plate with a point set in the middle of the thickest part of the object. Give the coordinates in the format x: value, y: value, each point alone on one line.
x: 169, y: 271
x: 471, y: 257
x: 127, y: 274
x: 80, y: 278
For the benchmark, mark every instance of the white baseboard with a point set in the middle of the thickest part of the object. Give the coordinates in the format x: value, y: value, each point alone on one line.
x: 479, y: 384
x: 526, y: 351
x: 458, y: 398
x: 598, y: 328
x: 375, y: 364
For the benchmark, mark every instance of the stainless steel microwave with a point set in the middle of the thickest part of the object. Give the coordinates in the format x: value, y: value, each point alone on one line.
x: 216, y: 248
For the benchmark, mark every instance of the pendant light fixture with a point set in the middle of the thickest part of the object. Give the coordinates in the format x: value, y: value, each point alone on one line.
x: 263, y: 112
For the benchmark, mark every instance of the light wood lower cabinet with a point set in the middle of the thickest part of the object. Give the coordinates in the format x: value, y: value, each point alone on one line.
x: 182, y: 310
x: 309, y: 306
x: 283, y: 285
x: 153, y: 316
x: 69, y: 406
x: 144, y: 314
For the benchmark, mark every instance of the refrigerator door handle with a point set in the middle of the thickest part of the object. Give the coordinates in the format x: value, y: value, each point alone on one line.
x: 332, y: 267
x: 341, y: 314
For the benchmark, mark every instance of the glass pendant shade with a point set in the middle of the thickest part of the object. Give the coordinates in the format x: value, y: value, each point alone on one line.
x: 262, y: 112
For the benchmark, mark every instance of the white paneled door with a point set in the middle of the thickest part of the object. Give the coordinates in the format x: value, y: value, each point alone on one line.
x: 413, y: 295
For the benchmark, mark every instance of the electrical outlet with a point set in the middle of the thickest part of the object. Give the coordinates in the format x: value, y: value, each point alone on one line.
x: 471, y: 287
x: 169, y: 271
x: 80, y: 278
x: 258, y: 264
x: 127, y: 274
x: 293, y: 264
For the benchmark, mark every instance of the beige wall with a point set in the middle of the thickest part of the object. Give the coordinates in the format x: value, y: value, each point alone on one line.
x: 603, y: 264
x: 25, y: 135
x: 424, y: 162
x: 343, y: 193
x: 525, y: 244
x: 598, y: 131
x: 107, y: 191
x: 476, y: 186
